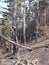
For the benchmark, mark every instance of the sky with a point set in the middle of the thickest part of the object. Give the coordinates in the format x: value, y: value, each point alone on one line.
x: 2, y: 4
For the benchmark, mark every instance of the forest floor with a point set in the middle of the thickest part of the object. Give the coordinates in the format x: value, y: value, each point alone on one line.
x: 38, y: 56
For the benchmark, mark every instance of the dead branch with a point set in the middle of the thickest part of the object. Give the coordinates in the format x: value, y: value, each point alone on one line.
x: 15, y: 43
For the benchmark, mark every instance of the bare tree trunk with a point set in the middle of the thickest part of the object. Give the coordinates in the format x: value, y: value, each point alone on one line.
x: 15, y: 48
x: 37, y: 21
x: 24, y: 26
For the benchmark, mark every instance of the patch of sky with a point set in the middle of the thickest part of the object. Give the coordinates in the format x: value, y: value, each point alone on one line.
x: 26, y: 5
x: 3, y: 7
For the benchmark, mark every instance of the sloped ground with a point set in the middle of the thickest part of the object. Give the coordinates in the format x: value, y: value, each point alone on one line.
x: 42, y: 55
x: 38, y: 56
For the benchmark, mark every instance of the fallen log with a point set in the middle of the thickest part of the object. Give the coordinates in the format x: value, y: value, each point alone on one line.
x: 35, y: 46
x: 28, y: 48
